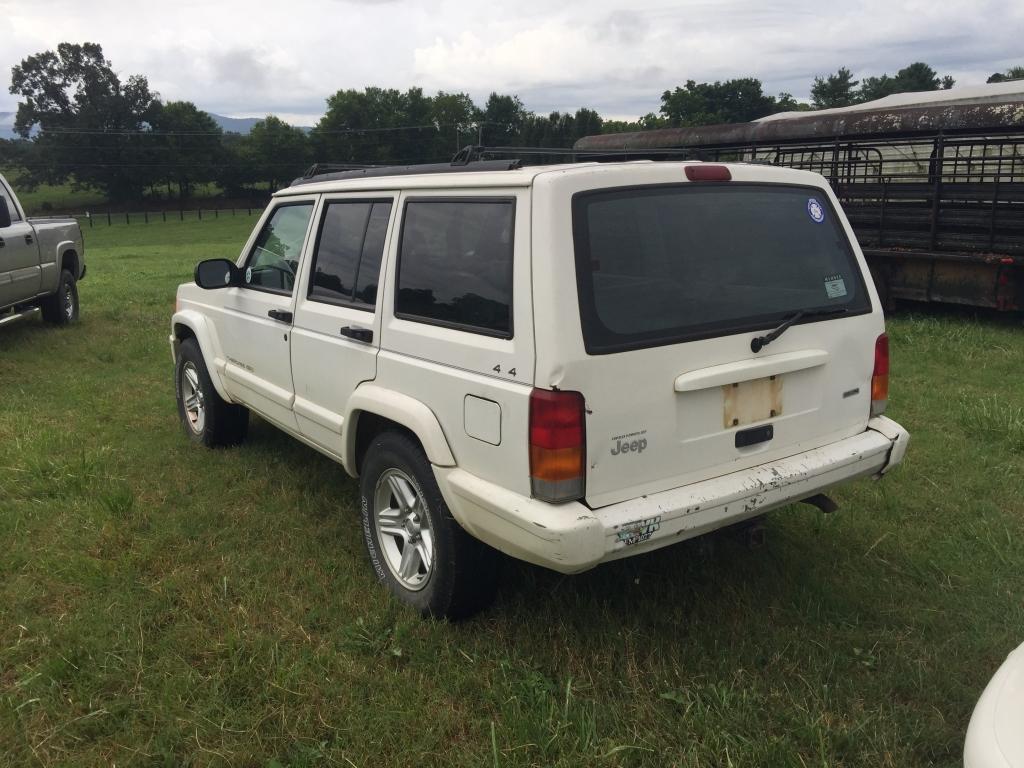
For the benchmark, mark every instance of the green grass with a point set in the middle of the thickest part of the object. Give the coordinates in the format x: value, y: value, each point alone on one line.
x: 59, y: 199
x: 47, y: 198
x: 163, y: 604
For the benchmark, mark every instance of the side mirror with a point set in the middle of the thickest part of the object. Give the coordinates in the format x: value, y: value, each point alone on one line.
x: 5, y: 213
x: 217, y: 273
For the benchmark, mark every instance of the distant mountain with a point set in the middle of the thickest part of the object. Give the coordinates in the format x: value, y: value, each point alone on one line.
x: 235, y: 124
x: 240, y: 124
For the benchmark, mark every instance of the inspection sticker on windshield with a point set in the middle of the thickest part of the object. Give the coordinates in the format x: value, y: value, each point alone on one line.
x: 835, y: 286
x: 815, y: 210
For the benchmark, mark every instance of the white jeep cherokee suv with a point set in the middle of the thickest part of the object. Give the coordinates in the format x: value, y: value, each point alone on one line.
x: 570, y: 364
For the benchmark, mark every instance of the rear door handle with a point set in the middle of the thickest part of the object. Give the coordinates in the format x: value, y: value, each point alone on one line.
x: 364, y: 335
x: 2, y: 243
x: 280, y: 315
x: 28, y: 239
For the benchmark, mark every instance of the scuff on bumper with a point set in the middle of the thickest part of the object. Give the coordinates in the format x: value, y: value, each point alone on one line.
x: 572, y: 537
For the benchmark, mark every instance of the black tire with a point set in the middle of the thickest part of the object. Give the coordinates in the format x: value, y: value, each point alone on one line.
x: 62, y: 307
x: 463, y: 574
x: 217, y: 422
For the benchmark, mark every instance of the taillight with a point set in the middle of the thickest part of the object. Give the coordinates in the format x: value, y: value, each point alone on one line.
x: 557, y: 445
x: 702, y: 172
x: 880, y: 376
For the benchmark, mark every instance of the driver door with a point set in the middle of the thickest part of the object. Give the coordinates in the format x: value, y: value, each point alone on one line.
x: 256, y: 321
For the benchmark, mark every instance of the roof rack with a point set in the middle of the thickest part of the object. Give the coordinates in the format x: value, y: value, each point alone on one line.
x: 475, y: 158
x: 319, y: 168
x: 335, y: 172
x: 474, y: 152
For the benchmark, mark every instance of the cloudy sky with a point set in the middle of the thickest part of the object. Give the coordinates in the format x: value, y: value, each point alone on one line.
x: 252, y: 58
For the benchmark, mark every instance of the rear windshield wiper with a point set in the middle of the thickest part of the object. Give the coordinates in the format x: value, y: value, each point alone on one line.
x: 760, y: 342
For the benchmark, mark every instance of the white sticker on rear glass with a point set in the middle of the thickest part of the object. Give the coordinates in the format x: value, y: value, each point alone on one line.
x: 815, y: 210
x: 835, y: 286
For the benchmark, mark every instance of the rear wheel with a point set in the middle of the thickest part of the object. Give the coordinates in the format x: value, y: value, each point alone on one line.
x: 62, y: 307
x: 415, y: 545
x: 205, y: 417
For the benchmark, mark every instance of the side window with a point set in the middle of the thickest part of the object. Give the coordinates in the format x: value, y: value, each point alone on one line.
x: 455, y: 264
x: 349, y: 249
x: 275, y: 257
x: 11, y: 207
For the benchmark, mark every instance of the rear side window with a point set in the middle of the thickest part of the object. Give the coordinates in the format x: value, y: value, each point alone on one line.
x: 455, y: 264
x: 670, y: 263
x: 349, y: 249
x: 11, y: 207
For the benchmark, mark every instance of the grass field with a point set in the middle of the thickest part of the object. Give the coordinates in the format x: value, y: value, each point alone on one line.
x: 60, y: 199
x: 167, y: 605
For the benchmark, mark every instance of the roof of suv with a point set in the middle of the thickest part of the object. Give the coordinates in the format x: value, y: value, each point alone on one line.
x: 524, y: 177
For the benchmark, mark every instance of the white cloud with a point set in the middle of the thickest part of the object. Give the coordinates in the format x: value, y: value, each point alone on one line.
x: 236, y: 58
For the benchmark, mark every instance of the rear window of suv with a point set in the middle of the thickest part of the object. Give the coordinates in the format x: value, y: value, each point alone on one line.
x: 670, y: 263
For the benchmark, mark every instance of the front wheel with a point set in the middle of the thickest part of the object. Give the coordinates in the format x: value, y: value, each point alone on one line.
x: 206, y: 418
x: 62, y: 307
x: 415, y: 545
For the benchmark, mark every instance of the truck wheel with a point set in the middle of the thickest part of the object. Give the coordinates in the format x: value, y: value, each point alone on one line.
x: 62, y: 307
x: 206, y: 418
x: 415, y: 545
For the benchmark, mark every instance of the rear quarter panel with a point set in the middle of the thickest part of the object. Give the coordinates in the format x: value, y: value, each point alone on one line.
x: 55, y: 238
x: 442, y: 367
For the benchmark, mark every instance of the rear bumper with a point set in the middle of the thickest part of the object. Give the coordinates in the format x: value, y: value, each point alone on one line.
x: 572, y: 537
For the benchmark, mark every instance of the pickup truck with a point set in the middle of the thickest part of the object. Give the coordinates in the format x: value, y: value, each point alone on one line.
x: 41, y: 262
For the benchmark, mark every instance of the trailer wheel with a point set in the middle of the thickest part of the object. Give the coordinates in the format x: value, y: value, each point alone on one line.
x: 880, y: 277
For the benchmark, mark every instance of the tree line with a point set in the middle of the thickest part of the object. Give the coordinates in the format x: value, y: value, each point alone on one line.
x: 79, y: 122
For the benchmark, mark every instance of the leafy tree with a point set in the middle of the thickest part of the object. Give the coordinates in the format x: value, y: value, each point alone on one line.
x: 559, y: 129
x: 785, y: 102
x: 275, y: 152
x: 648, y: 122
x: 732, y: 101
x: 190, y: 143
x: 1013, y: 73
x: 90, y: 121
x: 835, y: 90
x: 14, y: 154
x: 913, y: 78
x: 503, y: 121
x: 381, y: 125
x: 455, y: 117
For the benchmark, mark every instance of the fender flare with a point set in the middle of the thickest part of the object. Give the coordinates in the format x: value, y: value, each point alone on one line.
x: 209, y: 345
x: 401, y: 409
x: 61, y: 250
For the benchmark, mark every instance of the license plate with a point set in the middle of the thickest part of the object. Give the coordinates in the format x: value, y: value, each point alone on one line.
x: 748, y: 402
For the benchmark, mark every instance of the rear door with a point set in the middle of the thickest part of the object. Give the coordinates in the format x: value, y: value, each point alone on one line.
x: 337, y: 326
x: 19, y: 256
x: 674, y: 281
